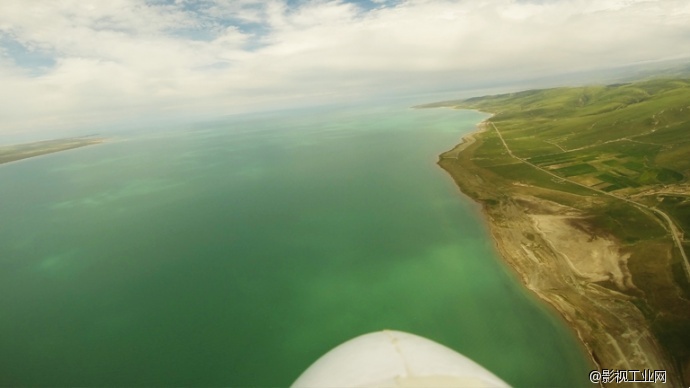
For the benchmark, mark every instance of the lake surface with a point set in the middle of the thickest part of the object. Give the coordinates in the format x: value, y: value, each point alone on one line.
x: 236, y: 253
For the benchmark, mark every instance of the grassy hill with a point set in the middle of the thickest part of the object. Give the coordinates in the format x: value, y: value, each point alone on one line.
x: 621, y: 155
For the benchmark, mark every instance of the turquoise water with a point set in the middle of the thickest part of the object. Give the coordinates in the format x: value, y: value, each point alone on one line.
x: 236, y: 253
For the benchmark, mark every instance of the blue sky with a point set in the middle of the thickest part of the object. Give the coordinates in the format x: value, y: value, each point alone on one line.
x: 72, y: 63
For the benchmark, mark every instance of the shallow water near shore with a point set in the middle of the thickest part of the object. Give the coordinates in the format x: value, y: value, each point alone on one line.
x: 236, y: 253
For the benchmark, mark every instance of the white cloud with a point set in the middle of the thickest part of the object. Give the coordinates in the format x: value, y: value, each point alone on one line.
x: 125, y: 58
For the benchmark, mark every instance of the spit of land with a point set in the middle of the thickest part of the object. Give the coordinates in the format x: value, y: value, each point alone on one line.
x: 17, y: 152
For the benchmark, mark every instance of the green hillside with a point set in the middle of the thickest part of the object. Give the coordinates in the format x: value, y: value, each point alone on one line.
x: 646, y: 122
x: 619, y: 154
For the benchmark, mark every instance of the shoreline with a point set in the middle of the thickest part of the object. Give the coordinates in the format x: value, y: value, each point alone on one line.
x: 466, y: 141
x: 603, y: 319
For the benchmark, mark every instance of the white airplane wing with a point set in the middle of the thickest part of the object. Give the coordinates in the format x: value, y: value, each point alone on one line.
x: 395, y: 359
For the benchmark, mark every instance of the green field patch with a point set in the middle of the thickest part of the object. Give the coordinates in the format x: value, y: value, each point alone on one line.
x: 526, y: 147
x: 611, y: 187
x: 667, y: 176
x: 634, y: 165
x: 622, y: 172
x: 575, y: 169
x: 647, y: 177
x: 526, y: 174
x: 588, y: 158
x: 617, y: 180
x: 611, y: 162
x: 547, y: 160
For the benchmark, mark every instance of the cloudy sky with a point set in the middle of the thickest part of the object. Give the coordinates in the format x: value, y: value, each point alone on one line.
x: 72, y: 63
